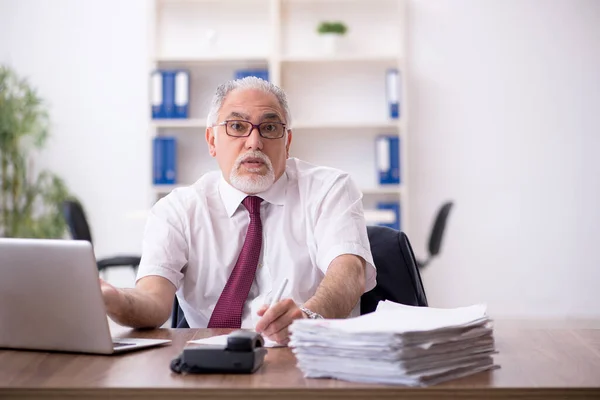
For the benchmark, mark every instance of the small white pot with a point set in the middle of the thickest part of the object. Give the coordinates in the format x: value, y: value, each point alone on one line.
x: 330, y: 43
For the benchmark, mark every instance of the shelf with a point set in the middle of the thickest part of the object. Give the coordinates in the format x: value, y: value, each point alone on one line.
x: 167, y: 2
x: 366, y: 58
x: 320, y: 2
x: 392, y: 189
x: 346, y: 125
x: 350, y: 109
x: 166, y: 189
x: 375, y: 217
x: 178, y: 123
x: 213, y: 60
x: 161, y: 2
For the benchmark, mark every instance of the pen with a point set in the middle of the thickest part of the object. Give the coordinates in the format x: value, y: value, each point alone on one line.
x: 279, y: 293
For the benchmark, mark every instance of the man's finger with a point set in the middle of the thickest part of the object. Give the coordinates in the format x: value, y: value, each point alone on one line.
x: 282, y: 322
x: 281, y: 337
x: 272, y: 313
x: 261, y: 311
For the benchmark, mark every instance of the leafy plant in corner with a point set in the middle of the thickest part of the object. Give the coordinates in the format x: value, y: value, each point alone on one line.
x: 332, y: 27
x: 30, y: 203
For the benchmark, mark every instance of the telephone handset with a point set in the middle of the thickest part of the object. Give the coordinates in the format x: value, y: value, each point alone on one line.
x: 243, y: 354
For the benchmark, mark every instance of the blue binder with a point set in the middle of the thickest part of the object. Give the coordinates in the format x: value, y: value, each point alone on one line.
x: 168, y: 93
x: 164, y: 161
x: 182, y: 93
x: 170, y: 154
x: 157, y: 161
x: 392, y: 85
x: 387, y: 156
x: 261, y: 73
x: 395, y: 207
x: 156, y: 94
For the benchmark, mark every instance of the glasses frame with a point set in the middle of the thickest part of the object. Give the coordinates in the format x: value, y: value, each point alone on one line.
x: 254, y: 126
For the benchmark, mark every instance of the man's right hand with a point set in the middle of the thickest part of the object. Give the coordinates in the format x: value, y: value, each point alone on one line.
x: 112, y: 297
x: 148, y: 305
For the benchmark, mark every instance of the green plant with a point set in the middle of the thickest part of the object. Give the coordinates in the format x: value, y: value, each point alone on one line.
x: 30, y: 203
x: 332, y: 27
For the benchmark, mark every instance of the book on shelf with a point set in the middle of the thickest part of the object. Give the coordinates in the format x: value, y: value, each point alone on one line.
x: 387, y: 149
x: 170, y: 93
x: 394, y: 208
x: 182, y: 94
x: 392, y: 85
x: 164, y: 160
x: 261, y: 73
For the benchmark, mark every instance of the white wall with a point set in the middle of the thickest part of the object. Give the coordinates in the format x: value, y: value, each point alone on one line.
x: 89, y: 61
x: 505, y: 100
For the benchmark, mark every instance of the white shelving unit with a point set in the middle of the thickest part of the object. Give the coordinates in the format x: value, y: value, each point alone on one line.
x: 337, y: 101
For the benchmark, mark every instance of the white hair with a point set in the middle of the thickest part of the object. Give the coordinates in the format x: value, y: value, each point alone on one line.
x: 249, y: 82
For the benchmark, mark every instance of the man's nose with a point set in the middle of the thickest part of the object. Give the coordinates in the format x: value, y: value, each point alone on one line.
x: 254, y: 141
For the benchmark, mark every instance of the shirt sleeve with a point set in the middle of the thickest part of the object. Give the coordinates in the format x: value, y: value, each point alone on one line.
x: 340, y: 227
x: 165, y: 249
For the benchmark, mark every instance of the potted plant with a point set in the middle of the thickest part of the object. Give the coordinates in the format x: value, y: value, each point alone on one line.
x: 30, y: 203
x: 330, y: 33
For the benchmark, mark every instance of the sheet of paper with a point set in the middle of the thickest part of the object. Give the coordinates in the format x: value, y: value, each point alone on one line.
x: 397, y: 344
x: 221, y: 340
x: 401, y: 319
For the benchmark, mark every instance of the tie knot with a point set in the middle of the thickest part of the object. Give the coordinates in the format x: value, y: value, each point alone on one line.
x: 252, y: 204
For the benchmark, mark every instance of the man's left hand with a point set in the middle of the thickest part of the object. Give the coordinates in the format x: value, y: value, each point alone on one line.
x: 275, y: 320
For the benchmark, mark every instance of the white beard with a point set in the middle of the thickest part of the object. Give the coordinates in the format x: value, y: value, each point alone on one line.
x: 252, y: 184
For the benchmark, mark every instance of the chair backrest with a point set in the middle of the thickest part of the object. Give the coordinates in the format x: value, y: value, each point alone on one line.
x: 437, y: 232
x: 76, y: 220
x: 398, y: 278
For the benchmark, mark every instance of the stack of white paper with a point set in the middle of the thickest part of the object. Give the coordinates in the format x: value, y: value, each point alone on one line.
x: 396, y: 344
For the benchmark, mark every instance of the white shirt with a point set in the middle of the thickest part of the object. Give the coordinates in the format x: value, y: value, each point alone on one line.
x: 310, y: 216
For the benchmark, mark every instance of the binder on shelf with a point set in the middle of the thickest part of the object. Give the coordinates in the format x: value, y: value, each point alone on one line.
x: 261, y: 73
x: 392, y: 86
x: 170, y: 93
x: 393, y: 206
x: 182, y: 93
x: 387, y: 156
x: 164, y: 161
x: 156, y: 94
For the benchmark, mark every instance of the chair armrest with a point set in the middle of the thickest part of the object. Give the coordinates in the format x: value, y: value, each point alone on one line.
x: 119, y: 261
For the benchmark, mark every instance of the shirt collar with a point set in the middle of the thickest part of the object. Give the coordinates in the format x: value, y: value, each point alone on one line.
x: 232, y: 198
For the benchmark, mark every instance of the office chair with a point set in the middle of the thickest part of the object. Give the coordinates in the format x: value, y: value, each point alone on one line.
x: 77, y: 222
x: 398, y: 277
x: 437, y: 233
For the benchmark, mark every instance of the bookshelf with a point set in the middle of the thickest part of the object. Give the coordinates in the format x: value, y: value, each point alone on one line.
x: 338, y: 101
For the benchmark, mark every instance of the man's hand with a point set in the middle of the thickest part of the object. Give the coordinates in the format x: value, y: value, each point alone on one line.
x: 112, y: 297
x: 148, y: 305
x: 275, y: 320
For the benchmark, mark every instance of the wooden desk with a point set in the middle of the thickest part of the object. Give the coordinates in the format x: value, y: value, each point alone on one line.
x: 535, y: 363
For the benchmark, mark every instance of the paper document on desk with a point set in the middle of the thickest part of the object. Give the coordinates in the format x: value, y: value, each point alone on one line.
x: 397, y: 344
x: 221, y: 340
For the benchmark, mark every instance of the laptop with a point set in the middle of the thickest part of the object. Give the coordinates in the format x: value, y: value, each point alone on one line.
x: 50, y: 299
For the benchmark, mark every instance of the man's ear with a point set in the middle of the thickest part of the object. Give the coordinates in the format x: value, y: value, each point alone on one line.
x: 287, y: 145
x: 211, y: 139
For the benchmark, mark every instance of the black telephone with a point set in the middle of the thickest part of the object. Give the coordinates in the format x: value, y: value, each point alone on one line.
x: 244, y: 354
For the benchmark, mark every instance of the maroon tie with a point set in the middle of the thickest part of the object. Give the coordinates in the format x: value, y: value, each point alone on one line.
x: 228, y: 311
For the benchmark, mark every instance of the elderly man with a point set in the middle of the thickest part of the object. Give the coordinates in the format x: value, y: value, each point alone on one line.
x: 224, y: 244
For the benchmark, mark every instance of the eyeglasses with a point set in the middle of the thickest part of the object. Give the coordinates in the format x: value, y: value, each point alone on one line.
x: 241, y: 128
